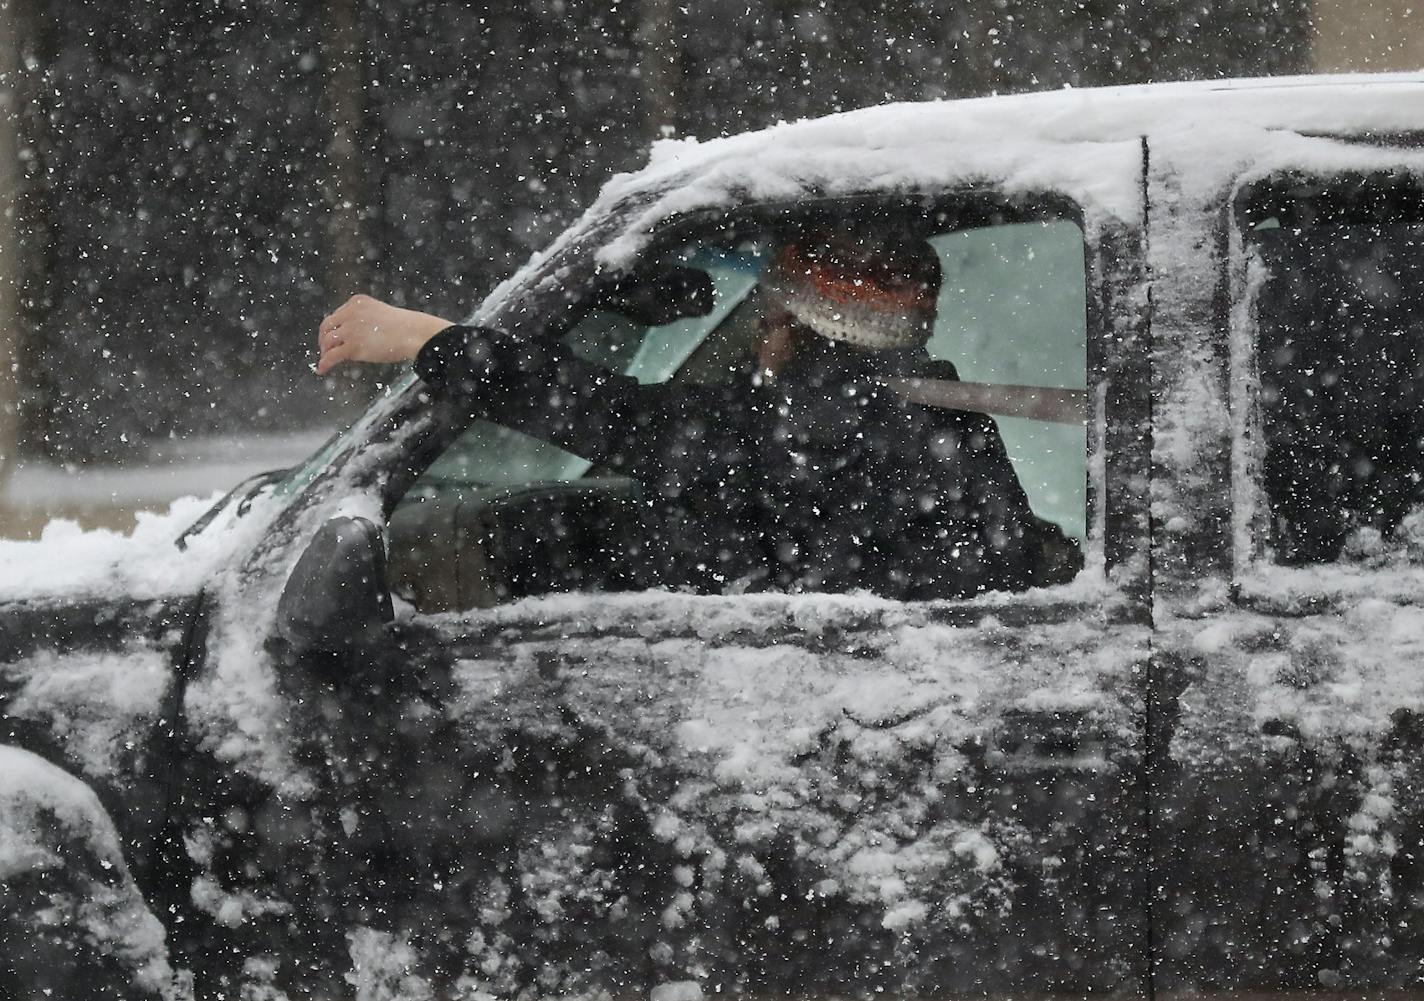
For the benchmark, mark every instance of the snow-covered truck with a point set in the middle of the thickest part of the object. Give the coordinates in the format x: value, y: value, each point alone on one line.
x: 385, y: 725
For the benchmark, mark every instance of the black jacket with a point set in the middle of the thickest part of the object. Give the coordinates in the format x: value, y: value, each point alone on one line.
x: 822, y: 480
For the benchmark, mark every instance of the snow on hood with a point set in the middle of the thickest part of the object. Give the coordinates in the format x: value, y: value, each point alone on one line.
x: 67, y: 561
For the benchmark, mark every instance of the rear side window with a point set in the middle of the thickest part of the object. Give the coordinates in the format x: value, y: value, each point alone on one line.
x: 1337, y: 298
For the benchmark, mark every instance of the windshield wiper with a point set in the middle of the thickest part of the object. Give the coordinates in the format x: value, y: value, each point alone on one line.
x: 248, y: 489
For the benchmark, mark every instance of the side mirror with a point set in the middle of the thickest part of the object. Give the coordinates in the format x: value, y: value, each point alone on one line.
x: 659, y: 297
x: 337, y: 599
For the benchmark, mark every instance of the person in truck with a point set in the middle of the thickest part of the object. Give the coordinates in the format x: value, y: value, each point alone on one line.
x: 807, y: 472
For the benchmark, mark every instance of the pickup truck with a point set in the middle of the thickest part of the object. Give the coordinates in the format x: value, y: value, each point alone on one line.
x: 395, y: 723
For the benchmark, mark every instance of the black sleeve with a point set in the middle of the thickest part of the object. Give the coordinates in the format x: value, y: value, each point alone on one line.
x: 438, y: 361
x: 980, y: 532
x: 547, y: 391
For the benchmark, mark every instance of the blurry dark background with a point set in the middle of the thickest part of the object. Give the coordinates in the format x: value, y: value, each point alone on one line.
x: 200, y: 181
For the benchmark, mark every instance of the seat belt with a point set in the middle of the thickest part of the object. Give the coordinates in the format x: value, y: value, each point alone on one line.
x: 1038, y: 403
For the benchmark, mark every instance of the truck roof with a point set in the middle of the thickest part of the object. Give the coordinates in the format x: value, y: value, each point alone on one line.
x: 1335, y: 104
x: 1206, y: 131
x: 1349, y: 104
x: 1016, y: 140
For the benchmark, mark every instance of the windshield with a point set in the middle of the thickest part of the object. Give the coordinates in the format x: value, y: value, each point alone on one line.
x: 523, y: 305
x: 764, y: 442
x: 300, y: 477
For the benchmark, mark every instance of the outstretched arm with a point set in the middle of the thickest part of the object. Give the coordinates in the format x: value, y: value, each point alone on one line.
x: 543, y: 389
x: 546, y: 390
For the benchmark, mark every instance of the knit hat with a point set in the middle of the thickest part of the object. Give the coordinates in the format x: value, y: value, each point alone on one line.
x: 874, y: 296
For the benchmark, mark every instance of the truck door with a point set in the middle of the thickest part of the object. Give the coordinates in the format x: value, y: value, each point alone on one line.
x: 1288, y: 823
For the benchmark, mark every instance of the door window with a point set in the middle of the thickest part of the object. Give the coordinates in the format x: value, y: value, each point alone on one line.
x: 799, y: 490
x: 1013, y: 309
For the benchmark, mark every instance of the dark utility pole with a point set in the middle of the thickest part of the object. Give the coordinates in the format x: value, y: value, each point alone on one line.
x: 345, y: 180
x: 10, y: 264
x: 347, y: 189
x: 660, y: 63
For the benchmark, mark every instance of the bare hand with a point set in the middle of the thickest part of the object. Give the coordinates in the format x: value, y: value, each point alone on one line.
x: 368, y: 330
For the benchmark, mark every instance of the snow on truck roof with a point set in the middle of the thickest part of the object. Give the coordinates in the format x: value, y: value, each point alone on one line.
x: 1016, y: 139
x: 1341, y: 104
